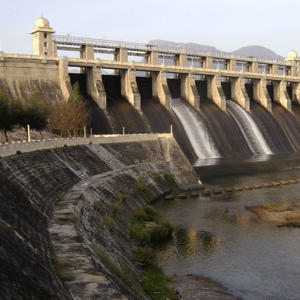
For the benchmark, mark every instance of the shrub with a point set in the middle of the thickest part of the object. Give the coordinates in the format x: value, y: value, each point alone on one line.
x: 290, y: 209
x: 110, y: 224
x: 59, y: 268
x: 142, y: 189
x: 117, y: 205
x: 154, y: 283
x: 274, y: 205
x: 161, y: 232
x: 145, y: 214
x: 171, y: 180
x: 70, y: 218
x: 146, y: 255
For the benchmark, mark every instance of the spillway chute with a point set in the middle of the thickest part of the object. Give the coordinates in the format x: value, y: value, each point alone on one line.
x: 249, y: 129
x: 196, y: 130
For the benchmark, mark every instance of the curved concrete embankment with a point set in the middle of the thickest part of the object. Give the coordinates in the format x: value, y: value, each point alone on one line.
x: 31, y: 185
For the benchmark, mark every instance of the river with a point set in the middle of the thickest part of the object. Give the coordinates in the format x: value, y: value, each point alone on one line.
x: 217, y: 238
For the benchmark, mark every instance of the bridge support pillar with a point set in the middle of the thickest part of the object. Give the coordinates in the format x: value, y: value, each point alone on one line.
x: 64, y: 79
x: 153, y: 58
x: 129, y: 88
x: 239, y: 93
x: 281, y: 95
x: 94, y: 85
x: 189, y: 90
x: 260, y: 93
x: 296, y: 92
x: 160, y: 89
x: 87, y: 52
x: 232, y: 65
x: 215, y: 91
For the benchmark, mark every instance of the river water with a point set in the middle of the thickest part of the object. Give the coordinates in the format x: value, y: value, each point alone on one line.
x: 217, y: 238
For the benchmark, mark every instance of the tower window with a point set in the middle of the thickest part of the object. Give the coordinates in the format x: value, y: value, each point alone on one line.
x: 45, y: 35
x: 45, y: 44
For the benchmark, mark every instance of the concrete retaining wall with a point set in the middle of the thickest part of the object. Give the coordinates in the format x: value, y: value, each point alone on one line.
x: 23, y: 76
x: 31, y: 187
x: 8, y: 149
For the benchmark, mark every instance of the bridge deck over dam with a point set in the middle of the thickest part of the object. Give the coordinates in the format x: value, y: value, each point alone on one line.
x: 54, y: 69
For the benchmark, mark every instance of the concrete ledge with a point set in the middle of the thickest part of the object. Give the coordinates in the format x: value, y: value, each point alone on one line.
x: 281, y: 95
x: 239, y: 93
x: 8, y: 149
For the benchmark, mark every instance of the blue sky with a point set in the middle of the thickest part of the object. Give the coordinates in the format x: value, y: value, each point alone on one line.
x: 227, y: 25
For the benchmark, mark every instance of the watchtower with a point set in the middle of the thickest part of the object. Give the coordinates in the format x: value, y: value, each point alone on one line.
x: 295, y: 63
x: 42, y: 38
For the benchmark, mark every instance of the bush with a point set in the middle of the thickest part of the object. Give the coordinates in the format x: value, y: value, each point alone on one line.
x: 142, y: 189
x: 117, y: 205
x: 146, y: 255
x: 289, y: 209
x: 155, y: 281
x: 161, y: 232
x: 60, y: 268
x: 154, y: 234
x: 145, y: 214
x: 171, y: 180
x: 110, y: 224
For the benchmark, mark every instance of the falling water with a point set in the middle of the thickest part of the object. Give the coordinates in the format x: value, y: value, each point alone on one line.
x: 196, y: 130
x: 249, y: 129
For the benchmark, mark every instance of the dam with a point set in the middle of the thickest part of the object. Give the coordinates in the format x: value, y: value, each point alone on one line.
x: 136, y: 97
x: 158, y: 118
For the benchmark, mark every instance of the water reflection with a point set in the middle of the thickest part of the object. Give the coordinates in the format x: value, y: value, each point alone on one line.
x: 188, y: 241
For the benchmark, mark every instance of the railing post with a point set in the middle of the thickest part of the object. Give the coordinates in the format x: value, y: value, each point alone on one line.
x: 28, y: 133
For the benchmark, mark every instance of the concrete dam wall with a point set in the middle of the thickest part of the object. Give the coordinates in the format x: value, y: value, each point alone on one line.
x: 53, y: 207
x: 23, y: 76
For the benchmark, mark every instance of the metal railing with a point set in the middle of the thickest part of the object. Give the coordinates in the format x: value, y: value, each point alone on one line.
x: 71, y: 40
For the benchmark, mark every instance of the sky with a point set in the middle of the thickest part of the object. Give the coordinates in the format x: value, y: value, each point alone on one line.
x: 227, y: 25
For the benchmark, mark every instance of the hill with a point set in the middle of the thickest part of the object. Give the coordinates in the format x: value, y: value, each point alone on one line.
x: 256, y: 50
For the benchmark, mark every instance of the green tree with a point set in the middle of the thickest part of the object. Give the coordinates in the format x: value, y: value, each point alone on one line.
x: 6, y: 117
x: 37, y: 114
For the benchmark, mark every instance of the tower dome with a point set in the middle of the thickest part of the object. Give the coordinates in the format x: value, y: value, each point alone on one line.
x: 42, y: 24
x: 293, y: 55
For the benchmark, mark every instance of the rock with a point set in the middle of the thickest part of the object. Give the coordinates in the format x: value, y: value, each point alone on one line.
x: 257, y: 186
x: 205, y: 193
x: 238, y: 188
x: 217, y: 191
x: 248, y: 187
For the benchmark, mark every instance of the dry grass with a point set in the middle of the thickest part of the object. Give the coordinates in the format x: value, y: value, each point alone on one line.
x: 275, y: 213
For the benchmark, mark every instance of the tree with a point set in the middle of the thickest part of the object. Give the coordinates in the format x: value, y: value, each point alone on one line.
x: 70, y: 117
x: 6, y: 117
x: 37, y: 114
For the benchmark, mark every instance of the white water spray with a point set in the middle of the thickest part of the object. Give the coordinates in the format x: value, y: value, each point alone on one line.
x: 249, y: 129
x: 196, y: 130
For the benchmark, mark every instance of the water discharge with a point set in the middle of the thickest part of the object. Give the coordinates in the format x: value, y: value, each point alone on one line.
x: 196, y: 130
x: 249, y: 129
